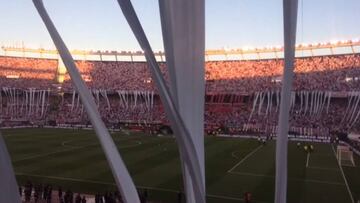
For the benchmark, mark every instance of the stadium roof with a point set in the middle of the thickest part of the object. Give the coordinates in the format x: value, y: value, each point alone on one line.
x: 314, y: 49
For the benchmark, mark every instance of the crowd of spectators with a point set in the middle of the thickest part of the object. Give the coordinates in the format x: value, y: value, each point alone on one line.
x: 115, y: 75
x: 333, y: 73
x: 27, y: 72
x: 115, y: 113
x: 323, y: 73
x: 244, y: 77
x: 232, y: 118
x: 39, y: 193
x: 236, y: 120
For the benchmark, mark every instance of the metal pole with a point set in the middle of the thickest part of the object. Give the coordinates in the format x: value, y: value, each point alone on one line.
x: 8, y: 186
x: 183, y: 27
x: 120, y: 173
x: 290, y: 20
x: 183, y: 137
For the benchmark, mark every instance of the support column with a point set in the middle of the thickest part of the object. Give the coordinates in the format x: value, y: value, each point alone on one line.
x: 186, y: 145
x: 290, y: 19
x: 121, y: 175
x: 183, y: 26
x: 8, y: 186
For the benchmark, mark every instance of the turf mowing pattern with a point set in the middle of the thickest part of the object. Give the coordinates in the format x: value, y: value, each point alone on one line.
x: 73, y: 159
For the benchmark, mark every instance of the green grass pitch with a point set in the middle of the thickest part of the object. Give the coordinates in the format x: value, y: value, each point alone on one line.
x: 73, y: 159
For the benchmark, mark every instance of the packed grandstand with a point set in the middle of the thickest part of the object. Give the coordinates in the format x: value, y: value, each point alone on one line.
x: 242, y: 99
x: 180, y: 101
x: 242, y: 96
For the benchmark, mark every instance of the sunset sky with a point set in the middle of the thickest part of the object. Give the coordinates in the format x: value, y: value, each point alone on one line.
x: 100, y: 25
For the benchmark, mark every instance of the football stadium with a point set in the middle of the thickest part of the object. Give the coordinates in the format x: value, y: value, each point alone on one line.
x: 185, y: 123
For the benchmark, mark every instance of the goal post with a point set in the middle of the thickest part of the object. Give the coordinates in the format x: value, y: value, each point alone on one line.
x: 345, y: 156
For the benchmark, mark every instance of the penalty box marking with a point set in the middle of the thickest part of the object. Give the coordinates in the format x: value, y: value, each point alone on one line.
x: 322, y: 168
x: 269, y: 176
x: 290, y: 179
x: 343, y: 175
x: 316, y: 167
x: 245, y: 158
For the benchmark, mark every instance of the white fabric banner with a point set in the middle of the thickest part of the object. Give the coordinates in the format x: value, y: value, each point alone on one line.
x: 328, y: 102
x: 256, y: 97
x: 354, y: 108
x: 73, y: 100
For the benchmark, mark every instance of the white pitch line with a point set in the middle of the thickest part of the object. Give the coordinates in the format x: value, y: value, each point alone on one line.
x: 65, y: 144
x: 51, y: 153
x: 290, y: 179
x: 69, y: 150
x: 321, y: 168
x: 252, y: 174
x: 233, y: 154
x: 343, y: 175
x: 225, y: 197
x: 246, y: 157
x: 307, y: 160
x: 231, y: 198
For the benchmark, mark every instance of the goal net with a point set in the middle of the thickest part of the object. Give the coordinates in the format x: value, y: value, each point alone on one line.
x: 345, y: 156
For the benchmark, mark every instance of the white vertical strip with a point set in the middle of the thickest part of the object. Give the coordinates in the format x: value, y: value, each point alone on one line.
x: 1, y: 104
x: 43, y: 102
x: 262, y: 98
x: 355, y: 119
x: 8, y: 186
x: 355, y: 107
x: 254, y: 104
x: 73, y: 100
x: 328, y: 102
x: 317, y: 104
x: 301, y: 100
x: 268, y: 102
x: 351, y: 94
x: 271, y: 101
x: 323, y: 100
x: 290, y: 20
x: 183, y: 33
x: 152, y: 99
x: 306, y: 96
x: 312, y: 102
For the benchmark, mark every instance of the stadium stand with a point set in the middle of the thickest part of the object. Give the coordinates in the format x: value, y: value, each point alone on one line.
x: 31, y: 94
